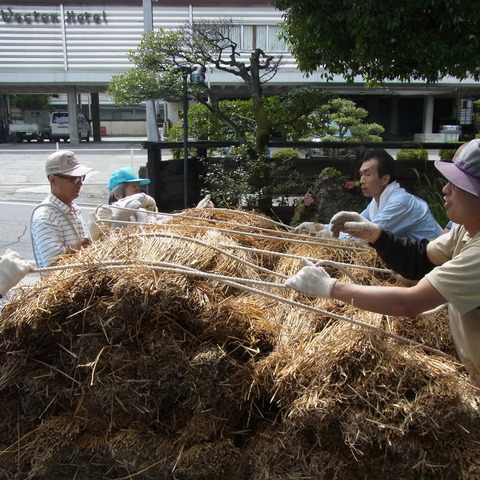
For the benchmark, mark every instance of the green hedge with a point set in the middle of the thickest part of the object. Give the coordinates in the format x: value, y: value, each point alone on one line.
x: 405, y: 154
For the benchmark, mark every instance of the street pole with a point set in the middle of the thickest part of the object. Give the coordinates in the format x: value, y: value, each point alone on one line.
x: 197, y: 75
x: 185, y: 73
x: 152, y: 128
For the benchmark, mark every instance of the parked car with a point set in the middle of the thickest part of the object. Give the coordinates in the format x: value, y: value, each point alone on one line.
x: 35, y: 126
x: 451, y: 128
x: 60, y: 128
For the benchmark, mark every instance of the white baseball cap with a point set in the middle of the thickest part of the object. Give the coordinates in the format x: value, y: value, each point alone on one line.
x: 64, y: 162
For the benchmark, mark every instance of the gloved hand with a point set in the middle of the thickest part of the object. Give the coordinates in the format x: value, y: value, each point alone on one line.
x: 325, y: 233
x: 205, y: 203
x: 136, y: 201
x: 12, y: 270
x: 104, y: 214
x: 148, y: 203
x: 312, y: 280
x: 309, y: 227
x: 356, y: 225
x: 94, y: 226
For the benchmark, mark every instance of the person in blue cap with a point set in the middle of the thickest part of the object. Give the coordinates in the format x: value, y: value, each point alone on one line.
x: 126, y: 204
x: 124, y: 183
x: 126, y: 195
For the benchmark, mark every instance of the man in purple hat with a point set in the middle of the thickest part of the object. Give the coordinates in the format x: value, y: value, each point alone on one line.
x: 447, y: 268
x: 57, y: 226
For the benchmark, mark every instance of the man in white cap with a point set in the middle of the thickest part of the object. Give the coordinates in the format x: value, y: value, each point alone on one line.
x: 448, y: 268
x: 57, y: 226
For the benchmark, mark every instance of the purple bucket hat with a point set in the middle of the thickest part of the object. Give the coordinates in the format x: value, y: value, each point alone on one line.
x: 464, y: 172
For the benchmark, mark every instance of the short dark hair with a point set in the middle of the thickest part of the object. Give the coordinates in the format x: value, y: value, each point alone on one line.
x: 385, y: 162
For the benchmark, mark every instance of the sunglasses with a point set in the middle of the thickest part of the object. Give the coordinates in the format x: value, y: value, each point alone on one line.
x: 74, y: 180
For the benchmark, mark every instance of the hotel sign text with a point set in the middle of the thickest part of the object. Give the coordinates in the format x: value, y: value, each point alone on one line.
x: 71, y: 17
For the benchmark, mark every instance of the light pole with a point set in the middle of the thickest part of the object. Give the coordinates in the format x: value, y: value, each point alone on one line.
x: 152, y: 129
x: 197, y: 75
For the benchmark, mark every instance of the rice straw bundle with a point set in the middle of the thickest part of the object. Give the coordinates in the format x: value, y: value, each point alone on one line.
x: 147, y: 356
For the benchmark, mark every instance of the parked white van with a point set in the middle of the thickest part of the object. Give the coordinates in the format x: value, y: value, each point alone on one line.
x: 60, y: 128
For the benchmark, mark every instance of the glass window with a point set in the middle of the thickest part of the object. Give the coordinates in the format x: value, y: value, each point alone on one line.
x: 112, y: 112
x: 261, y: 36
x: 275, y: 44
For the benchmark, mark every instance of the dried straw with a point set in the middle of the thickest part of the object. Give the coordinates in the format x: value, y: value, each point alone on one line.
x: 135, y: 372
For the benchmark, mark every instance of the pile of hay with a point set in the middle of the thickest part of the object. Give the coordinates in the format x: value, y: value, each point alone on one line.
x: 128, y: 364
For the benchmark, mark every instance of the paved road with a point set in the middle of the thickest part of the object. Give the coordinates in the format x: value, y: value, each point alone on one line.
x: 22, y: 175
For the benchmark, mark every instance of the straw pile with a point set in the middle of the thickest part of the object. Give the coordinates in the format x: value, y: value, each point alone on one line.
x: 124, y: 366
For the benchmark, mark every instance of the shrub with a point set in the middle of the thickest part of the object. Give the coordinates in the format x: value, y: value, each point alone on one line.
x: 429, y: 187
x: 285, y: 154
x: 446, y: 154
x: 405, y: 154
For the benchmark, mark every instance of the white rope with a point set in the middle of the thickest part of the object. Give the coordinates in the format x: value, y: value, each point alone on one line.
x: 288, y: 235
x: 207, y: 245
x: 241, y: 283
x: 257, y: 235
x: 339, y: 265
x: 434, y: 310
x: 291, y: 255
x: 184, y: 215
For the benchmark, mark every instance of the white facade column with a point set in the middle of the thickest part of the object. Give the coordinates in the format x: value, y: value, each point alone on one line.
x: 72, y: 115
x: 174, y: 109
x: 429, y: 102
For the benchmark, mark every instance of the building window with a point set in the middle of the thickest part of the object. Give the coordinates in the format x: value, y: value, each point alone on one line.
x: 265, y: 37
x: 112, y: 112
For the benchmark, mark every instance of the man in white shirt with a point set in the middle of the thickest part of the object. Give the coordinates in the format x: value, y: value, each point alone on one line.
x: 57, y: 226
x: 392, y: 208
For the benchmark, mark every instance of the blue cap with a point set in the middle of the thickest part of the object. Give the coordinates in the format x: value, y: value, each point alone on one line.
x: 123, y: 175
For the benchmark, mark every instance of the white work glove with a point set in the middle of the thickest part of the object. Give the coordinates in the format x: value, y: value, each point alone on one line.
x: 104, y: 214
x: 142, y: 216
x: 355, y: 225
x: 94, y: 226
x: 205, y: 203
x: 121, y: 213
x: 149, y: 204
x: 309, y: 227
x: 12, y: 270
x: 138, y: 200
x: 312, y: 280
